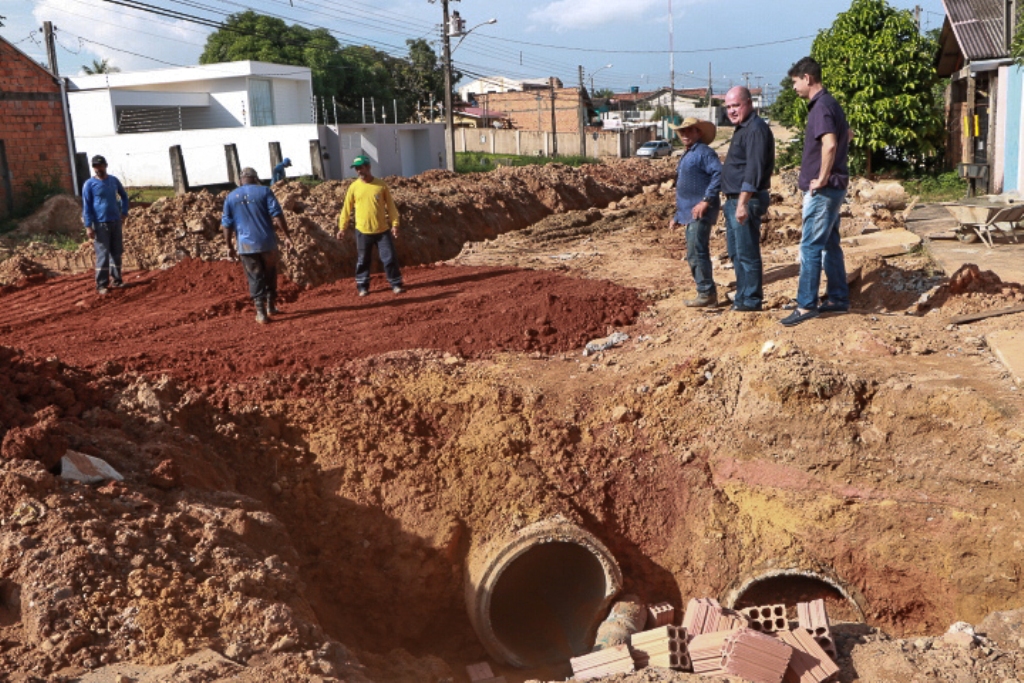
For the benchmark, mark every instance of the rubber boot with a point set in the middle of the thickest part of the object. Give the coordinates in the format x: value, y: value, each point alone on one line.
x: 261, y: 312
x: 272, y: 308
x: 703, y: 300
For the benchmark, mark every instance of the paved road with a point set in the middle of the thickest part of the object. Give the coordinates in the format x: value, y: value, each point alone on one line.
x: 936, y: 225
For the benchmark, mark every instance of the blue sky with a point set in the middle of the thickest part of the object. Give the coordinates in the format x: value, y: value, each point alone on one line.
x: 532, y: 38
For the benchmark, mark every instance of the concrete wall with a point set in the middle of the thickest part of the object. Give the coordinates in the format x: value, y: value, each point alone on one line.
x: 31, y: 127
x: 142, y: 159
x: 1009, y: 163
x: 533, y: 143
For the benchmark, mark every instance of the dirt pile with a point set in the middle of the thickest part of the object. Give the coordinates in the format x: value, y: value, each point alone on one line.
x: 440, y: 211
x: 195, y: 320
x: 18, y: 270
x: 59, y: 215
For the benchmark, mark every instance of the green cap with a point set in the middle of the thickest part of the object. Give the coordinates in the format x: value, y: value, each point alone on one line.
x: 361, y: 160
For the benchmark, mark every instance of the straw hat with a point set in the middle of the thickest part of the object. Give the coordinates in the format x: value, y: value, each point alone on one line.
x: 706, y: 128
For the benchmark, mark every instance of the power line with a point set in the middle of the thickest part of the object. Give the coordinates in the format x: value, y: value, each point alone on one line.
x: 652, y: 52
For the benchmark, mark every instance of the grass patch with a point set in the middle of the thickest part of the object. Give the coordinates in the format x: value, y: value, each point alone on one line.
x: 945, y: 187
x: 64, y: 242
x: 148, y: 194
x: 479, y: 162
x: 308, y: 180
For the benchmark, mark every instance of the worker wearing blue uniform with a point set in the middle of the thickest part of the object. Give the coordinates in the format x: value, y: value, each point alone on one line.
x: 104, y: 205
x: 279, y: 173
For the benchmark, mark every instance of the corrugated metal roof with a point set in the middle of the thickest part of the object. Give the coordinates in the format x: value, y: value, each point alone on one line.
x: 978, y: 26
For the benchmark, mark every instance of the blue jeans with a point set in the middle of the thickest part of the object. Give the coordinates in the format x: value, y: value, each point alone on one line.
x: 744, y: 243
x: 819, y: 248
x: 698, y: 254
x: 109, y: 246
x: 386, y: 251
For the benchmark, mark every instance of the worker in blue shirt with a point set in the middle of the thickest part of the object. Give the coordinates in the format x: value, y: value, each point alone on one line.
x: 698, y: 182
x: 252, y: 212
x: 104, y: 205
x: 279, y: 175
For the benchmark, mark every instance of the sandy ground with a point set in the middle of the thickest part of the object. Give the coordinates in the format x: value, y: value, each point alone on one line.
x: 300, y: 500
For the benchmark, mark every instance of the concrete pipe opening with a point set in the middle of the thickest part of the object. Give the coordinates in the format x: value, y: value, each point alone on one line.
x: 537, y: 596
x: 789, y: 587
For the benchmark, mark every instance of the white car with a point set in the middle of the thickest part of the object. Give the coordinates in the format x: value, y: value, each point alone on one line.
x: 655, y: 149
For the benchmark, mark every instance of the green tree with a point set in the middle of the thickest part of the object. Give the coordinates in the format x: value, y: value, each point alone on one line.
x: 788, y: 109
x: 102, y: 66
x: 881, y: 70
x: 662, y: 111
x: 605, y: 93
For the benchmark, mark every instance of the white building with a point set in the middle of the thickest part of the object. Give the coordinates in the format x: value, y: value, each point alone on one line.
x: 133, y: 119
x: 499, y: 84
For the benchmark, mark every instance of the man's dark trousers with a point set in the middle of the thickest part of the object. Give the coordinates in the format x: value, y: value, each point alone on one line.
x: 109, y: 246
x: 261, y: 272
x: 743, y: 241
x: 385, y: 249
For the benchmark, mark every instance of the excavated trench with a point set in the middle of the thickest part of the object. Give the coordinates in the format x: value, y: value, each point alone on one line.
x: 431, y: 494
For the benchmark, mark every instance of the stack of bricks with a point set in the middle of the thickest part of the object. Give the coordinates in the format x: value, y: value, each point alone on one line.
x: 813, y: 619
x: 660, y: 614
x: 664, y: 647
x: 810, y: 663
x: 481, y: 673
x: 702, y: 615
x: 767, y: 619
x: 606, y: 662
x: 756, y: 657
x: 705, y: 651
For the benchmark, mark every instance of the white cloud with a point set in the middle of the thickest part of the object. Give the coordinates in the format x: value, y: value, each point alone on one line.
x: 563, y: 15
x: 130, y: 31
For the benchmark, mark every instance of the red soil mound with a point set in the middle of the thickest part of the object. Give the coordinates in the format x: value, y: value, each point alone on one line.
x: 195, y: 320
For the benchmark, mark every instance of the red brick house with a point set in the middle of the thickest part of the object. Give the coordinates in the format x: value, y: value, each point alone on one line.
x: 33, y: 129
x: 532, y: 110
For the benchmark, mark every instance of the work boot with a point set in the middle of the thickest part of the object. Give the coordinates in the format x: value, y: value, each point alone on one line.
x: 705, y: 300
x: 272, y: 308
x: 261, y: 312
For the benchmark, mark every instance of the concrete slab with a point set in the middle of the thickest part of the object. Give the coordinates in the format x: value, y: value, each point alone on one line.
x: 883, y: 243
x: 1008, y: 346
x: 935, y: 224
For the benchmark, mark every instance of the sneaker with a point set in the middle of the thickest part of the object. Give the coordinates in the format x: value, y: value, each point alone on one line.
x: 796, y: 317
x: 118, y: 284
x: 261, y: 313
x: 102, y: 290
x: 829, y: 307
x: 272, y: 308
x: 703, y: 300
x: 364, y: 292
x: 398, y: 289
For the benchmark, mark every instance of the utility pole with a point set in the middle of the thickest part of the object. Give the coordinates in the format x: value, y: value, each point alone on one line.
x: 917, y: 17
x: 51, y: 47
x: 449, y: 124
x: 583, y: 118
x: 671, y: 62
x: 554, y: 123
x: 746, y: 79
x: 710, y: 96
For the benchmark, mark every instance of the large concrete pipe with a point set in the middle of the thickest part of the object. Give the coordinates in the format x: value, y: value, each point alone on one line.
x: 537, y: 596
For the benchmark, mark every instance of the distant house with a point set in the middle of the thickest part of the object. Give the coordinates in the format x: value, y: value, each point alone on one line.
x: 35, y: 134
x: 638, y: 107
x: 548, y: 110
x: 227, y: 95
x: 501, y: 84
x: 480, y: 117
x: 984, y: 113
x: 264, y: 111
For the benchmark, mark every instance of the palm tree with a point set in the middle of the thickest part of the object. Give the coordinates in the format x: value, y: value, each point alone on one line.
x: 100, y: 67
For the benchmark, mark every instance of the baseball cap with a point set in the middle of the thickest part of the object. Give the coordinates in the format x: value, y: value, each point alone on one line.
x: 361, y: 160
x: 250, y: 172
x: 97, y: 160
x: 287, y: 161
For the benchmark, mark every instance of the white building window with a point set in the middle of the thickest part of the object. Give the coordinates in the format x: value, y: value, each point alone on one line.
x: 261, y: 102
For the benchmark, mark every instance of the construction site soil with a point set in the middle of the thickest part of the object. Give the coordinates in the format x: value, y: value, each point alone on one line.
x: 300, y: 500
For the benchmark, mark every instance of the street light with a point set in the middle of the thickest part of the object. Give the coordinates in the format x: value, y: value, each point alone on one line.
x: 606, y: 66
x: 466, y: 33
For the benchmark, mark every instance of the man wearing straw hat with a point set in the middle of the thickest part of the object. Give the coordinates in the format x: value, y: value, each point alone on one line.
x: 698, y: 181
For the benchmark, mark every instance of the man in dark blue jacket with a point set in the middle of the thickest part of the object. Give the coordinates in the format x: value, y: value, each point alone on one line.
x: 698, y: 181
x: 252, y: 212
x: 104, y: 204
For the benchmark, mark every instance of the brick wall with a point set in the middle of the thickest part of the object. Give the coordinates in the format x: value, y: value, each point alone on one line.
x: 31, y: 126
x: 526, y: 112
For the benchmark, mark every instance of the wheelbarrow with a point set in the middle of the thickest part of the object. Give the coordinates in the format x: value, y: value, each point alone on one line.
x: 982, y: 219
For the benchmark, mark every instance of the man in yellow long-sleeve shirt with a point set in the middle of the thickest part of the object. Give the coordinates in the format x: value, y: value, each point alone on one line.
x: 369, y: 199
